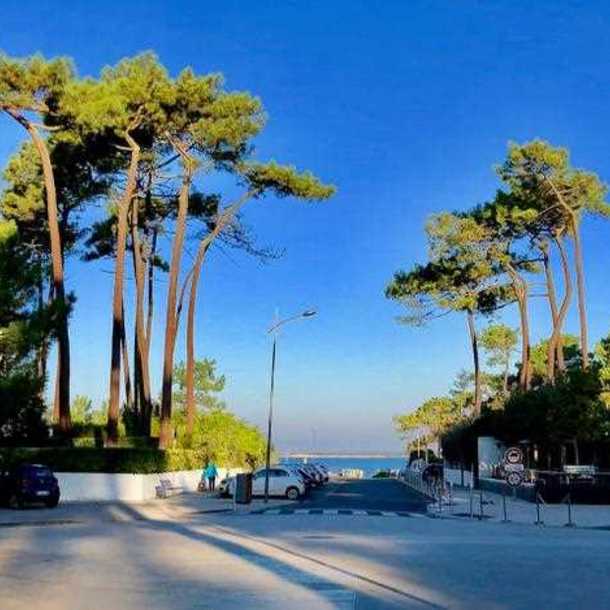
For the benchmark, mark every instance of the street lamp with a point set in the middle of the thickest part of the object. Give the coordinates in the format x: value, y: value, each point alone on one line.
x: 306, y: 314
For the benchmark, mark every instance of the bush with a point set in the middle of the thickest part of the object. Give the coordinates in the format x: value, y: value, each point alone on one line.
x: 224, y: 438
x: 119, y: 460
x: 21, y: 409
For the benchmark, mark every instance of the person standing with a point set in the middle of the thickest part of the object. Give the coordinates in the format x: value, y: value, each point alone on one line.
x: 211, y: 473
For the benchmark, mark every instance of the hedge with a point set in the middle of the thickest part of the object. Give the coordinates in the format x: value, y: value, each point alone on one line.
x: 122, y: 459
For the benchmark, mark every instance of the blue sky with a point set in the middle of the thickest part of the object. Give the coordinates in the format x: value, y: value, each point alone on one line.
x: 405, y: 106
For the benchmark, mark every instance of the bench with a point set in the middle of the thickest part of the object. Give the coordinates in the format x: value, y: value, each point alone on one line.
x: 166, y: 488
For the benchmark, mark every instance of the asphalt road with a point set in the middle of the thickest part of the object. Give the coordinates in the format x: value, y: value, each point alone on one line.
x: 301, y: 562
x: 365, y: 494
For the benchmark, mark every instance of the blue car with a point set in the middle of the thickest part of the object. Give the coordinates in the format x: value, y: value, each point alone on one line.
x: 29, y: 483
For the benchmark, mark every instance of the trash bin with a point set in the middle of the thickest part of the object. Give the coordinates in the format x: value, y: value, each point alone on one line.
x: 243, y: 488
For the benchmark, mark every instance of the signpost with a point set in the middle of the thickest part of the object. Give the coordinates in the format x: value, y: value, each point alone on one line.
x: 514, y: 471
x: 513, y: 466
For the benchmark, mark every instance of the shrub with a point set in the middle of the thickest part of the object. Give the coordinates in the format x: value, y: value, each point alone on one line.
x: 119, y: 460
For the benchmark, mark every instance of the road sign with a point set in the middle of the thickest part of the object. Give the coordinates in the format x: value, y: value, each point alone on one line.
x: 513, y: 455
x: 514, y: 468
x: 514, y: 479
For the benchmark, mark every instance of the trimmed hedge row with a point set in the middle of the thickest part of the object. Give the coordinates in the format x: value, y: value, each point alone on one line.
x: 115, y: 460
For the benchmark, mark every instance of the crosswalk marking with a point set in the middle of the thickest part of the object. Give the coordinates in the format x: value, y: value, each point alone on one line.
x: 336, y: 511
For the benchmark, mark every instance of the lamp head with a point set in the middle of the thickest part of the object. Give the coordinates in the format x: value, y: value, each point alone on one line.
x: 309, y: 313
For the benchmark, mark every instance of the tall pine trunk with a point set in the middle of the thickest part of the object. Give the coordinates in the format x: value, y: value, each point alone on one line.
x: 552, y: 355
x: 166, y: 432
x: 474, y: 342
x: 63, y: 338
x: 224, y: 219
x: 191, y: 407
x: 141, y: 351
x: 555, y: 342
x: 573, y: 224
x: 580, y: 286
x: 521, y: 293
x: 117, y: 298
x: 126, y: 373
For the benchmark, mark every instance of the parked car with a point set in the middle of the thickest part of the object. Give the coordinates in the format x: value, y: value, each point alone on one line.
x: 321, y: 471
x: 305, y: 474
x: 29, y: 483
x: 315, y: 473
x: 282, y: 482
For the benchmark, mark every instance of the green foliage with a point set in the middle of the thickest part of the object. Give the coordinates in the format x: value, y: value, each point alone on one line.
x: 116, y: 460
x: 32, y: 84
x: 499, y: 341
x: 569, y: 409
x: 284, y: 181
x: 207, y: 383
x: 224, y: 438
x: 435, y: 415
x: 22, y: 409
x: 24, y: 326
x: 539, y: 174
x: 539, y: 356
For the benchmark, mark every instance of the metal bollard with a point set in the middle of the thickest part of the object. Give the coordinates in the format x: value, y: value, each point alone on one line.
x: 471, y: 503
x: 570, y: 522
x: 481, y: 511
x: 539, y: 520
x: 505, y: 512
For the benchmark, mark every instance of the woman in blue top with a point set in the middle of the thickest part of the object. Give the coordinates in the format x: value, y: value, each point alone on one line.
x: 211, y: 473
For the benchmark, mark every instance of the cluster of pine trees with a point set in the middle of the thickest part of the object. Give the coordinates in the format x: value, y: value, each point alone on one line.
x: 494, y: 255
x: 138, y: 141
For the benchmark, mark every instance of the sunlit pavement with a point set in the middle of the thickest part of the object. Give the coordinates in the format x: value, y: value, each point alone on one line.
x: 226, y: 561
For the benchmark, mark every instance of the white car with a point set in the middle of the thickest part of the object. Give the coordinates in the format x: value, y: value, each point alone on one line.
x: 282, y: 482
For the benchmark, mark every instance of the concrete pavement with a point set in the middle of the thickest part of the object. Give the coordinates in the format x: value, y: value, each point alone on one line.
x: 179, y: 558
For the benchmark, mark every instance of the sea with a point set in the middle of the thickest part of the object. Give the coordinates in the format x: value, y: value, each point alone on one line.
x: 369, y: 465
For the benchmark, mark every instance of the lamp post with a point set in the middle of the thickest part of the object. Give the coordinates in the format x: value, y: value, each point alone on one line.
x: 306, y: 314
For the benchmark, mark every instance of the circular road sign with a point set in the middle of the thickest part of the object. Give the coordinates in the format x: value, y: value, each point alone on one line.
x: 514, y: 479
x: 513, y: 455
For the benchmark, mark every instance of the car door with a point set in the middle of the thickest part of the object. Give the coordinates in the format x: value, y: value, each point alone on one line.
x: 258, y: 483
x: 280, y: 481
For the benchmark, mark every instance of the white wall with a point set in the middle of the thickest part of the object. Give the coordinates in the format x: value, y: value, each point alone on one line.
x: 491, y: 453
x: 104, y: 487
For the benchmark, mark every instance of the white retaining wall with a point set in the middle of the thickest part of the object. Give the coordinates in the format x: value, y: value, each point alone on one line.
x: 105, y: 487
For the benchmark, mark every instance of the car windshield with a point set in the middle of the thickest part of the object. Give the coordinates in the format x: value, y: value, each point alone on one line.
x: 37, y: 471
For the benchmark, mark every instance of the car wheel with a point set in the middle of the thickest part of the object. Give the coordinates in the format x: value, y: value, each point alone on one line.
x: 52, y: 502
x: 15, y: 501
x: 292, y: 493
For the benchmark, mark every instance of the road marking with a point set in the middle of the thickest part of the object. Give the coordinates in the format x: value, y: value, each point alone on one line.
x: 336, y: 511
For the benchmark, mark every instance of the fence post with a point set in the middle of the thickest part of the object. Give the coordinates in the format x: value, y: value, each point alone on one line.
x: 570, y: 522
x: 539, y: 520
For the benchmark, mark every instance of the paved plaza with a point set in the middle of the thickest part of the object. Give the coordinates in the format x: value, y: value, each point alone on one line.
x: 189, y: 553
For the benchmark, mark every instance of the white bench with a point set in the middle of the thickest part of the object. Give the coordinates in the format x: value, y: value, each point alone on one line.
x: 166, y: 488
